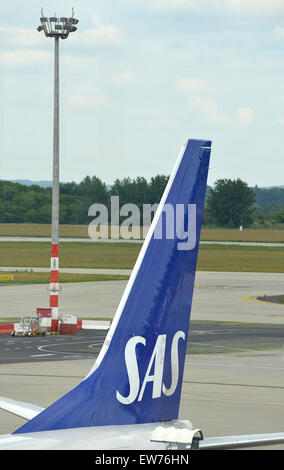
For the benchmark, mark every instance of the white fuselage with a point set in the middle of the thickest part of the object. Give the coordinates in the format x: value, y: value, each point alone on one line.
x: 120, y: 437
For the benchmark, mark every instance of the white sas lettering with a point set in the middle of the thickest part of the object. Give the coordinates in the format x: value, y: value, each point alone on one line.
x: 157, y: 363
x: 132, y: 370
x: 158, y: 356
x: 175, y: 364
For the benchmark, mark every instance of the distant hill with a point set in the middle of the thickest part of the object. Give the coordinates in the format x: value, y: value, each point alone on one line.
x: 271, y: 187
x: 269, y: 196
x: 43, y: 183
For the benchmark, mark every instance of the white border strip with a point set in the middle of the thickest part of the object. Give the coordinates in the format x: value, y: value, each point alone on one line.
x: 95, y: 325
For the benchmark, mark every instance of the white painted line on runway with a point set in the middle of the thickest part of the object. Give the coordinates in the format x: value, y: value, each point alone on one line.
x: 42, y: 348
x: 74, y: 356
x: 41, y: 355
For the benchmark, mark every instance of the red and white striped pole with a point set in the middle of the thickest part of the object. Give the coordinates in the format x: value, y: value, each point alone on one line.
x: 54, y: 286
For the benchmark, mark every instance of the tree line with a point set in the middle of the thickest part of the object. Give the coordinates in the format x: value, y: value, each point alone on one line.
x: 229, y: 203
x: 32, y: 204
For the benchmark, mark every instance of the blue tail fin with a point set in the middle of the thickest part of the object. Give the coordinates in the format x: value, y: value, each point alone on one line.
x: 137, y: 376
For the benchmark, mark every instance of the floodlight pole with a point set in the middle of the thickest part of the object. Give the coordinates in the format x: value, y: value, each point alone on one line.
x: 55, y: 186
x: 54, y: 262
x: 56, y: 28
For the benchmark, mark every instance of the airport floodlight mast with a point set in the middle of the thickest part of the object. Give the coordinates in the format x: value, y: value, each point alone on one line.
x: 56, y: 28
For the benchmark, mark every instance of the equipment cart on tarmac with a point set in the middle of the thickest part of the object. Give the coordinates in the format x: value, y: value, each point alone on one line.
x: 30, y: 325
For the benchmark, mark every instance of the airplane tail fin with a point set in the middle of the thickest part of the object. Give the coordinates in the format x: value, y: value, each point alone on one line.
x: 137, y: 376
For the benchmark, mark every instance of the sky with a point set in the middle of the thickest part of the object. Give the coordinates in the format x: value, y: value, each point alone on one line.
x: 137, y: 79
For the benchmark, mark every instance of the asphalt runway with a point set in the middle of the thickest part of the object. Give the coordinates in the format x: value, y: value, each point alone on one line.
x: 234, y: 373
x: 204, y: 337
x: 21, y: 349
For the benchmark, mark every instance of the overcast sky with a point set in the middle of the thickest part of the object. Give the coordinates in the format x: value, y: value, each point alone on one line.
x: 138, y: 79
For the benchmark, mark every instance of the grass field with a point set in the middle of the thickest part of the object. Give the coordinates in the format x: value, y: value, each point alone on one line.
x: 42, y: 230
x: 81, y: 231
x: 247, y: 235
x: 44, y: 278
x: 123, y: 256
x: 240, y: 258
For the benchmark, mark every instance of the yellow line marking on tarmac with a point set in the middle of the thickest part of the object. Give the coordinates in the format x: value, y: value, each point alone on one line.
x: 237, y: 323
x: 252, y: 298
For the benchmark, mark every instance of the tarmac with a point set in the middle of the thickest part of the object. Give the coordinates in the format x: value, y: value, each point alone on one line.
x: 218, y: 296
x: 223, y: 394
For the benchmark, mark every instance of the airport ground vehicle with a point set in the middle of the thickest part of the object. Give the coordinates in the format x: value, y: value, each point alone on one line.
x: 30, y: 325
